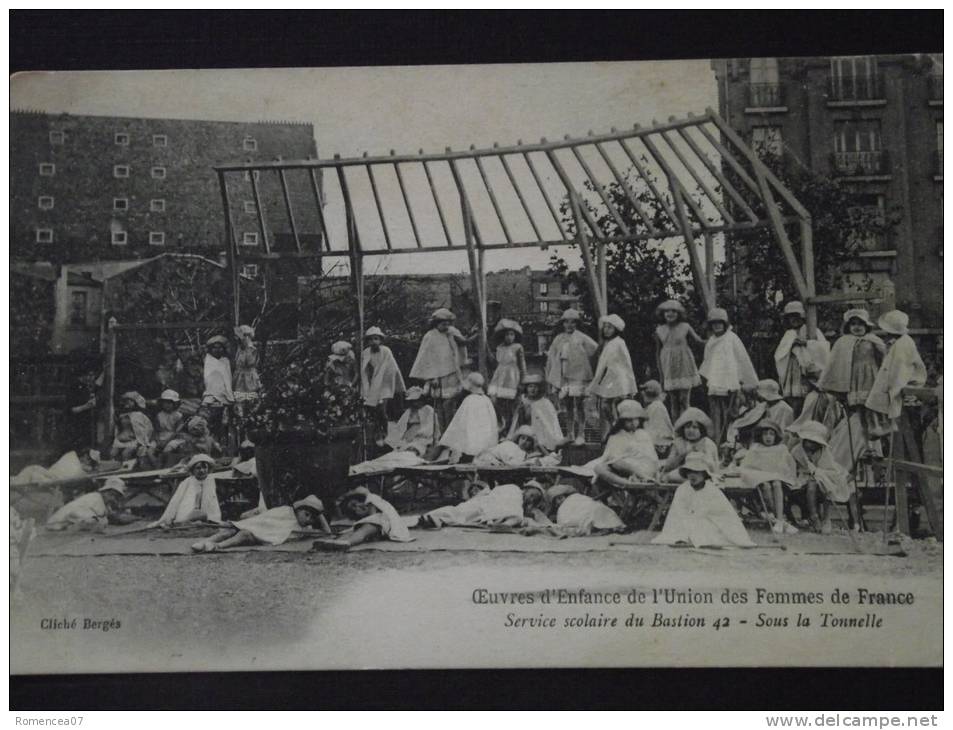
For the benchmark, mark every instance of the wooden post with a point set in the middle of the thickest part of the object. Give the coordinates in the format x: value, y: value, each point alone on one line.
x: 603, y: 272
x: 592, y: 273
x: 110, y: 384
x: 476, y: 279
x: 697, y: 270
x: 231, y: 252
x: 357, y: 285
x: 710, y: 262
x: 807, y: 266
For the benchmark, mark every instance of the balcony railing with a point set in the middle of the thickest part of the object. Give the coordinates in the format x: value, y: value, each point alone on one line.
x: 859, y: 164
x: 762, y: 96
x: 936, y: 86
x: 856, y: 88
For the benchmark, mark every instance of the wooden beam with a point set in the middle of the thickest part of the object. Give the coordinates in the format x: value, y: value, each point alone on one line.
x: 730, y: 158
x: 726, y: 185
x: 496, y: 205
x: 710, y: 261
x: 546, y: 198
x: 653, y: 188
x: 410, y: 211
x: 774, y: 215
x: 475, y: 279
x: 377, y: 203
x: 519, y: 195
x: 319, y: 204
x: 258, y: 211
x: 697, y: 270
x: 436, y: 200
x: 519, y: 148
x: 674, y: 180
x: 591, y: 272
x: 144, y: 326
x: 602, y: 194
x: 844, y: 297
x: 758, y: 165
x: 110, y: 379
x: 629, y: 192
x: 699, y: 179
x: 570, y: 189
x: 231, y: 252
x: 461, y: 189
x: 291, y: 216
x: 807, y: 266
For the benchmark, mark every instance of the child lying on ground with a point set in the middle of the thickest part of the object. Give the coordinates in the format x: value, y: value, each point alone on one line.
x: 374, y: 519
x: 93, y: 511
x: 700, y: 515
x: 269, y: 527
x: 502, y: 505
x: 577, y: 515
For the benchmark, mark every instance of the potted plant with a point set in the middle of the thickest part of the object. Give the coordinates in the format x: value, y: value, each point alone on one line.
x: 305, y: 428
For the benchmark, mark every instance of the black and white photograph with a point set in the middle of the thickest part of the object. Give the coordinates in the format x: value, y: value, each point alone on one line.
x: 595, y: 364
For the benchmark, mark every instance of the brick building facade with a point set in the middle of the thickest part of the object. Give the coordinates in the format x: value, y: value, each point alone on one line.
x: 874, y: 122
x: 88, y: 188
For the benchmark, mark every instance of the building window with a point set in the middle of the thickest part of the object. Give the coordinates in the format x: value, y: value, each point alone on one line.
x: 121, y: 171
x: 122, y: 139
x: 160, y: 140
x: 858, y: 148
x: 938, y: 172
x: 120, y: 204
x: 764, y: 86
x: 47, y: 169
x: 250, y: 144
x: 250, y: 270
x: 543, y: 289
x: 57, y: 137
x: 855, y: 78
x: 157, y: 205
x: 158, y: 173
x: 767, y: 141
x: 544, y: 306
x: 44, y: 235
x: 77, y: 308
x: 119, y: 238
x: 156, y: 238
x: 869, y: 215
x: 249, y: 239
x: 45, y: 202
x: 249, y: 207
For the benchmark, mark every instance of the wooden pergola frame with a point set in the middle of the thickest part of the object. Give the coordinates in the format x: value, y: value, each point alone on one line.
x: 690, y: 157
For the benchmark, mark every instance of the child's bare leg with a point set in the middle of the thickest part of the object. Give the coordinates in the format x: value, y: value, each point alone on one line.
x: 577, y: 409
x: 778, y: 500
x: 853, y: 508
x: 242, y: 537
x: 810, y: 493
x: 362, y: 533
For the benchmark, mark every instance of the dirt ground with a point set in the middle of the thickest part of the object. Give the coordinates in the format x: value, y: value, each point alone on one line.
x: 180, y: 602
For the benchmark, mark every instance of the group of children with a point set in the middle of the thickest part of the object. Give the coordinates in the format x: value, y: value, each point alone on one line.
x: 794, y: 441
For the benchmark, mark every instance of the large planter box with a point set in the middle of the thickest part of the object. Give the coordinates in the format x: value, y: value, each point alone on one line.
x: 294, y: 464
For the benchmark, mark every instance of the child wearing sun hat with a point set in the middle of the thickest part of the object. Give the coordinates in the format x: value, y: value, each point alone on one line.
x: 510, y: 369
x: 676, y: 361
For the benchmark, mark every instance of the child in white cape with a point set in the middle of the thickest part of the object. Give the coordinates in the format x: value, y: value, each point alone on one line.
x: 473, y: 429
x: 700, y: 515
x: 614, y: 378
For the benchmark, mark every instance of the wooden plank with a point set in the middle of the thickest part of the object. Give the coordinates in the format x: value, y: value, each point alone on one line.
x: 458, y: 179
x: 807, y: 266
x: 729, y: 156
x: 844, y: 297
x: 929, y: 504
x: 710, y: 261
x: 475, y: 277
x: 914, y: 467
x: 140, y: 326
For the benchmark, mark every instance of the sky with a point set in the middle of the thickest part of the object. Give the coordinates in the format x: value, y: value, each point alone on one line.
x: 376, y: 109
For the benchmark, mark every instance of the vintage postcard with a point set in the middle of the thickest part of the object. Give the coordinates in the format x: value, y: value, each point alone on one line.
x: 553, y: 365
